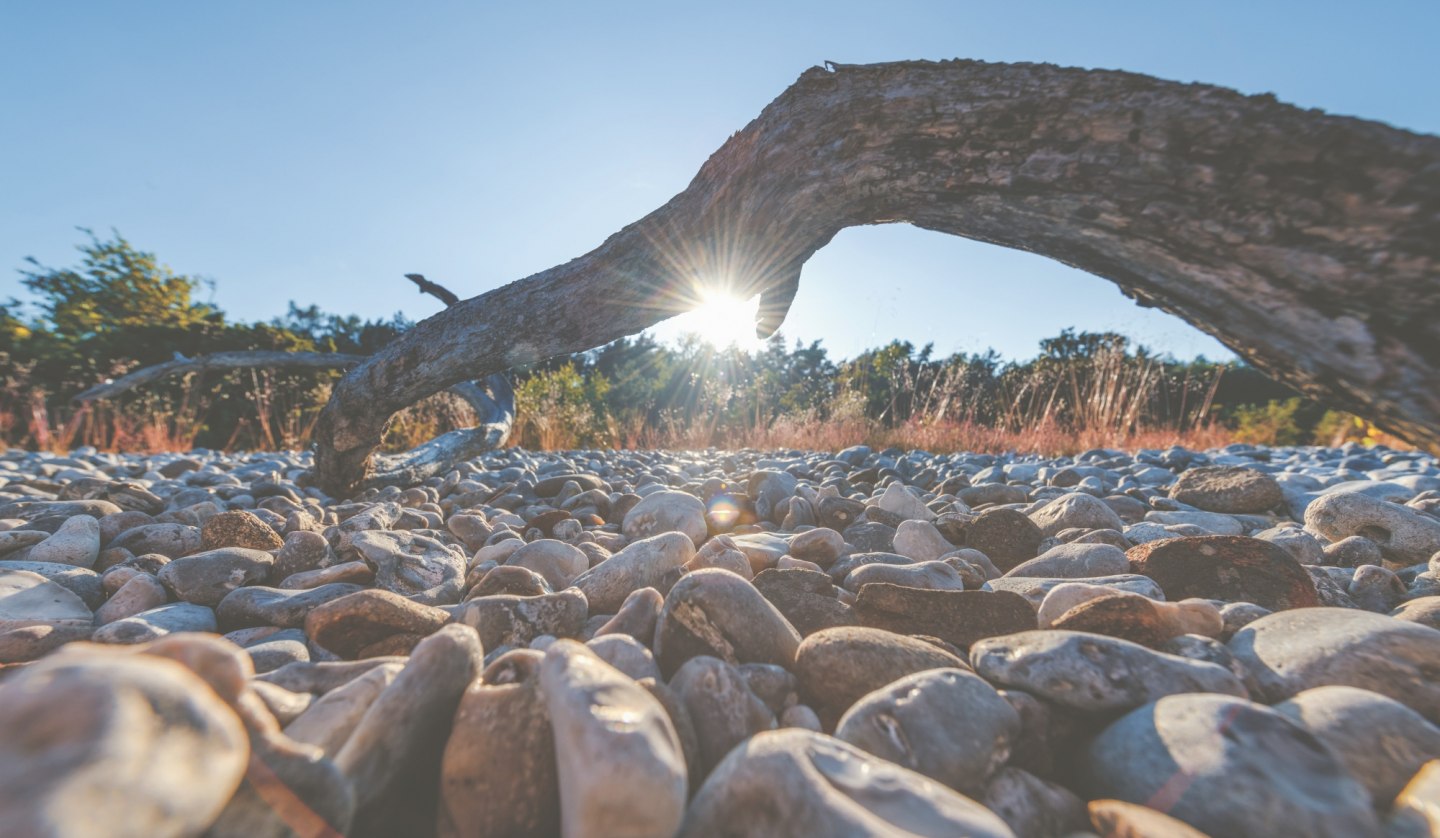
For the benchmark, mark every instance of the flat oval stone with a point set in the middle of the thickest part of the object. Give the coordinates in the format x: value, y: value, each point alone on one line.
x: 1074, y: 561
x: 140, y: 593
x: 661, y: 512
x: 928, y: 575
x: 1094, y: 673
x: 1227, y: 489
x: 1034, y: 590
x: 957, y: 617
x: 798, y: 782
x: 506, y: 579
x: 947, y: 724
x: 157, y: 623
x: 1075, y: 510
x: 83, y: 583
x: 261, y: 606
x: 1185, y: 753
x: 1033, y: 806
x: 1006, y: 536
x: 1293, y: 651
x: 172, y: 541
x: 642, y: 564
x: 145, y: 745
x: 559, y: 563
x: 206, y: 578
x: 715, y: 612
x: 1229, y: 568
x: 352, y: 623
x: 837, y: 667
x: 401, y: 733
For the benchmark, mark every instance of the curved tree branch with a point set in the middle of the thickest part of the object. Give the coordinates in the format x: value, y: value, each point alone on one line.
x: 239, y: 360
x: 1309, y: 244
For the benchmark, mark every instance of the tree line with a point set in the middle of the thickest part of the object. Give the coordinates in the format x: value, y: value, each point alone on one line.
x: 119, y: 309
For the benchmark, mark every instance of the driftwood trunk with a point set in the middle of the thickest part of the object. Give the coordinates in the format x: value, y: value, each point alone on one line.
x: 1307, y: 243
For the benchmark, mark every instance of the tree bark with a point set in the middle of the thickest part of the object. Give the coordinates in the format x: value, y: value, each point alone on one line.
x: 1307, y: 243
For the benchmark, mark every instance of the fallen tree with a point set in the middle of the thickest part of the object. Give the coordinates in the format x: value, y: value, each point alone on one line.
x: 1307, y: 243
x: 492, y: 399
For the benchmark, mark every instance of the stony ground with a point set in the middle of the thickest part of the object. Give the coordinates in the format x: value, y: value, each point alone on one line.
x: 1241, y: 642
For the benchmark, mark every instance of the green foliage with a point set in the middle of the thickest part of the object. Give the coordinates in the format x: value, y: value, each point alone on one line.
x: 120, y: 309
x: 115, y: 287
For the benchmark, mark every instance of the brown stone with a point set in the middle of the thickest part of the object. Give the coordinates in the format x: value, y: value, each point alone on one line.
x: 837, y: 666
x: 353, y: 623
x: 499, y: 776
x: 1125, y: 616
x: 1232, y: 568
x: 239, y: 529
x: 1005, y: 536
x: 1227, y: 489
x: 957, y: 617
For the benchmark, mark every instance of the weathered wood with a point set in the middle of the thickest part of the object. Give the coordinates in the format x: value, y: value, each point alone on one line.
x: 434, y: 289
x: 238, y: 360
x: 1307, y: 243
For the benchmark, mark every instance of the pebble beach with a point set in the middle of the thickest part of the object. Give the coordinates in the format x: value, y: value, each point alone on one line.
x: 1243, y: 641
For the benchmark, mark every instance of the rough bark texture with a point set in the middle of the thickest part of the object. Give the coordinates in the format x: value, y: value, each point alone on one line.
x: 1307, y: 243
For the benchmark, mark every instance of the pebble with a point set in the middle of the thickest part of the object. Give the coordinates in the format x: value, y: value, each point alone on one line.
x: 1403, y: 535
x: 1231, y: 568
x: 238, y: 528
x: 140, y: 593
x: 156, y: 623
x: 1382, y: 742
x: 805, y: 598
x: 501, y: 748
x: 948, y: 724
x: 715, y: 612
x: 1074, y: 561
x: 1075, y: 510
x: 76, y: 543
x: 351, y: 625
x: 753, y: 601
x: 1293, y: 651
x: 1093, y: 673
x: 956, y: 617
x: 99, y: 744
x: 1184, y: 754
x: 206, y: 578
x: 647, y: 563
x: 799, y: 782
x: 619, y: 760
x: 722, y: 707
x: 1227, y: 489
x: 664, y: 512
x: 838, y: 666
x: 505, y: 620
x: 415, y: 566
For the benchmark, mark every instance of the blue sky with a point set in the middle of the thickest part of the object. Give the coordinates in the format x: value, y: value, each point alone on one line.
x: 316, y: 151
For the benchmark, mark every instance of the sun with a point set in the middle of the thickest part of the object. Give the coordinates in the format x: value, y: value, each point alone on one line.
x: 723, y: 320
